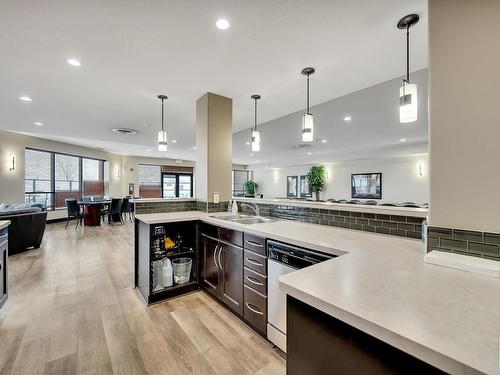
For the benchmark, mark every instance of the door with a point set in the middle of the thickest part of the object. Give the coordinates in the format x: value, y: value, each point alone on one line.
x: 210, y: 266
x: 231, y: 259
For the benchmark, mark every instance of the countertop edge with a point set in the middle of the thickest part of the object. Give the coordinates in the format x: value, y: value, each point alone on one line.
x: 413, y: 348
x: 4, y: 223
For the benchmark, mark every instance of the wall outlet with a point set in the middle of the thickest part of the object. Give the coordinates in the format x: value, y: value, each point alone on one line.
x: 216, y: 198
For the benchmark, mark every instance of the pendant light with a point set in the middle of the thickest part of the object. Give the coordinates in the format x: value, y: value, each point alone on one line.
x: 162, y: 134
x: 307, y: 119
x: 408, y: 107
x: 255, y: 132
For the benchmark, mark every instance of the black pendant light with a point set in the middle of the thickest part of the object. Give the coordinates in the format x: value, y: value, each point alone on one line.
x: 162, y: 134
x: 255, y: 133
x: 408, y: 106
x: 307, y: 119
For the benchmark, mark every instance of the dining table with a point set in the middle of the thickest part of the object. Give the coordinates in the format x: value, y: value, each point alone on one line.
x: 92, y: 211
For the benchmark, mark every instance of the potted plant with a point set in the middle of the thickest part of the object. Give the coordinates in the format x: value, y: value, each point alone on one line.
x: 316, y: 178
x: 250, y: 188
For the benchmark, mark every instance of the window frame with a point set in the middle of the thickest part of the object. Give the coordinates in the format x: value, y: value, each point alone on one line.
x: 177, y: 175
x: 53, y: 174
x: 233, y: 191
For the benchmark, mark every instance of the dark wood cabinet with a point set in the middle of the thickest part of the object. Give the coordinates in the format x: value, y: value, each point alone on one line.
x: 231, y: 261
x: 3, y: 265
x: 210, y: 275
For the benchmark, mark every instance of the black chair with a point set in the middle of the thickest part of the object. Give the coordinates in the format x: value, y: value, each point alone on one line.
x: 342, y: 201
x: 388, y: 204
x: 115, y: 211
x: 127, y: 208
x: 370, y: 203
x: 411, y: 205
x: 74, y: 212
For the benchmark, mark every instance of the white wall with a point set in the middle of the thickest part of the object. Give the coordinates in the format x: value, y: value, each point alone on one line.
x: 464, y: 113
x: 401, y: 180
x: 122, y: 169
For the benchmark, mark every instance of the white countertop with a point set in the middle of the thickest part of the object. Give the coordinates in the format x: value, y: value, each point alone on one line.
x: 446, y: 317
x: 388, y: 210
x: 4, y: 223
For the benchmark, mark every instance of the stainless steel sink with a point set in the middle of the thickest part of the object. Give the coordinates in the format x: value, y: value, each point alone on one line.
x: 245, y: 219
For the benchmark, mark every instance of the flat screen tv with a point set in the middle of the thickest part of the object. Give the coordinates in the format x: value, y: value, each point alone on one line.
x: 366, y: 185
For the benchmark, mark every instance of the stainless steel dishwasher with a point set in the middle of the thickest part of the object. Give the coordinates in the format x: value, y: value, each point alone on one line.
x: 283, y: 259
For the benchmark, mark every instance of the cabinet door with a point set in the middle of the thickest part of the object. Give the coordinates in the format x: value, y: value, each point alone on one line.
x: 210, y: 267
x: 231, y: 259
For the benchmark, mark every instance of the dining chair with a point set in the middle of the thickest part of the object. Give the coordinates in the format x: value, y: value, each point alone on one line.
x: 74, y: 212
x: 126, y: 209
x: 332, y: 200
x: 388, y: 204
x: 115, y: 210
x: 370, y: 203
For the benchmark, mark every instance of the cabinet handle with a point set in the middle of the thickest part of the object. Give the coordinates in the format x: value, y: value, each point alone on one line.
x: 254, y: 310
x: 253, y: 281
x: 215, y: 254
x: 220, y: 252
x: 255, y: 263
x: 254, y: 243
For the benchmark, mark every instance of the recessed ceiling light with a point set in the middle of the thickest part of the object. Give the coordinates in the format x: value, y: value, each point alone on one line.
x: 323, y: 141
x: 38, y: 123
x: 148, y: 150
x: 25, y: 98
x: 222, y: 24
x: 174, y: 140
x: 402, y: 140
x: 194, y: 147
x: 247, y: 143
x: 309, y: 153
x: 73, y: 62
x: 251, y: 154
x: 347, y: 118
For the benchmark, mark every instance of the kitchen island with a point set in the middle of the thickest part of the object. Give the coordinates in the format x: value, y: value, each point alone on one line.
x: 445, y: 317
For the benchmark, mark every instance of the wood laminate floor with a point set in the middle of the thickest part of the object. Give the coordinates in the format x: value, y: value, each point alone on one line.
x: 72, y: 309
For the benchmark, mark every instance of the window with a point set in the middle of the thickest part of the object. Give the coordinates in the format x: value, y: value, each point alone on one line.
x: 150, y: 181
x: 177, y: 185
x: 51, y: 178
x: 239, y: 179
x: 38, y: 177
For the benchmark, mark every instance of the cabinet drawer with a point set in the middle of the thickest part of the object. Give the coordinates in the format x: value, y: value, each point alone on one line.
x: 234, y: 237
x: 255, y: 262
x: 255, y: 280
x: 255, y: 243
x: 210, y: 230
x: 255, y: 309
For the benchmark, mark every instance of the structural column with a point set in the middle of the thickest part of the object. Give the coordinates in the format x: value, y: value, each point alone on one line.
x: 214, y: 149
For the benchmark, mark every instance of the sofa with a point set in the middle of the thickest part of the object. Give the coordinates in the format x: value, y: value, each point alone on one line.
x: 27, y: 225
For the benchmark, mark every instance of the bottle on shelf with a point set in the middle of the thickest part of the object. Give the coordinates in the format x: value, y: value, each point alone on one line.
x: 234, y: 209
x: 167, y: 273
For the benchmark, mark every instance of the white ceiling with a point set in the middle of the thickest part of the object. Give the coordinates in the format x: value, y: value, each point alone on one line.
x: 133, y: 50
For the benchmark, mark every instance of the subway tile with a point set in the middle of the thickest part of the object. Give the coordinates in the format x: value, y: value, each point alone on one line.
x: 390, y: 224
x: 398, y: 232
x: 466, y: 253
x: 432, y: 248
x: 356, y: 226
x: 397, y: 218
x: 432, y: 242
x: 362, y: 221
x: 356, y: 214
x: 367, y: 228
x: 344, y: 213
x: 345, y: 225
x: 467, y: 235
x: 369, y: 215
x: 406, y: 226
x: 414, y: 220
x: 383, y: 230
x: 339, y: 219
x: 497, y: 258
x: 453, y: 244
x: 350, y: 220
x: 492, y: 238
x: 482, y: 248
x: 376, y: 223
x: 440, y: 232
x: 383, y: 217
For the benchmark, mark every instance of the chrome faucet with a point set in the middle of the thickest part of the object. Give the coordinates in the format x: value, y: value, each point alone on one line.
x: 252, y: 206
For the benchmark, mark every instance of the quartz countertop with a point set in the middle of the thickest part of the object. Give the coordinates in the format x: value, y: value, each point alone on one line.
x: 403, y: 211
x: 381, y: 285
x: 4, y: 223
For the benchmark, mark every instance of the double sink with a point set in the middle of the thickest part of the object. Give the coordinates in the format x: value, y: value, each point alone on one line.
x: 245, y: 219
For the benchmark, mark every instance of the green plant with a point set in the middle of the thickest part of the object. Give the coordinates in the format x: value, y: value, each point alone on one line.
x: 316, y: 178
x: 250, y: 187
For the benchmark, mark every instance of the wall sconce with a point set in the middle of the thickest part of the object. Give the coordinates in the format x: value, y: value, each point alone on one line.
x: 117, y: 173
x: 12, y: 163
x: 420, y: 170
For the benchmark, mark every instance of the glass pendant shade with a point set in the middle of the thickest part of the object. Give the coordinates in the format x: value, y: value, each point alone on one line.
x: 408, y: 107
x: 307, y: 127
x: 162, y: 140
x: 255, y: 140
